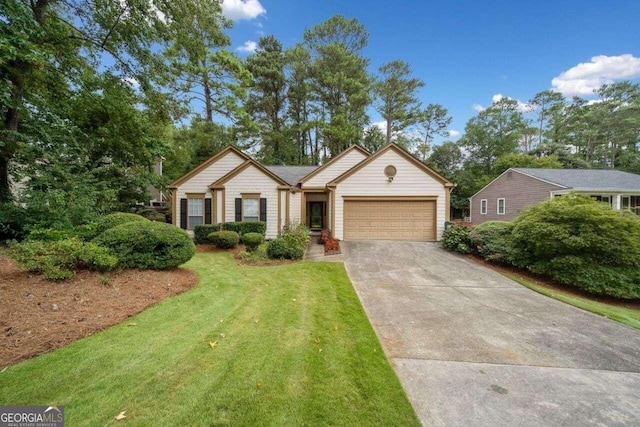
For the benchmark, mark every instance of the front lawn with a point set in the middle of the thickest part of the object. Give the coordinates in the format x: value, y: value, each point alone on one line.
x: 287, y: 345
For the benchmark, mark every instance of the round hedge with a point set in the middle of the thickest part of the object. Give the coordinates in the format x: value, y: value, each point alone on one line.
x: 115, y: 219
x: 148, y: 244
x: 224, y: 239
x: 252, y: 240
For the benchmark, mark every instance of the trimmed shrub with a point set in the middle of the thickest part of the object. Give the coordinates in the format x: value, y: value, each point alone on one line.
x: 201, y: 232
x: 492, y: 240
x: 82, y: 232
x: 580, y: 242
x: 48, y: 235
x: 148, y: 244
x: 282, y: 248
x: 224, y: 239
x: 252, y: 240
x: 115, y: 219
x: 291, y: 245
x: 57, y: 260
x: 456, y: 238
x: 253, y: 227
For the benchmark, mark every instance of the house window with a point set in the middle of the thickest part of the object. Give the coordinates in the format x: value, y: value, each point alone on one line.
x: 483, y: 207
x: 626, y: 202
x: 195, y: 207
x: 501, y: 205
x: 251, y: 209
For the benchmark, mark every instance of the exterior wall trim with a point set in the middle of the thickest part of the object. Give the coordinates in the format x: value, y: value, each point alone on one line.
x: 334, y: 160
x: 206, y: 164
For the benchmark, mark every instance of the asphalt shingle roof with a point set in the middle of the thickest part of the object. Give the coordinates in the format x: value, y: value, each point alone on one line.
x: 292, y: 174
x: 587, y: 179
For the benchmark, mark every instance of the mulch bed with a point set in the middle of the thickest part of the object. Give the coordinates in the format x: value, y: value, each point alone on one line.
x: 37, y: 315
x: 551, y: 284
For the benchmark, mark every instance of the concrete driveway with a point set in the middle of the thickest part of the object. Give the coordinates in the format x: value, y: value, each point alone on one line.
x: 473, y: 348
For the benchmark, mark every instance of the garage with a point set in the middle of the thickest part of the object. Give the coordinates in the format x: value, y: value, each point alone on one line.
x: 379, y: 219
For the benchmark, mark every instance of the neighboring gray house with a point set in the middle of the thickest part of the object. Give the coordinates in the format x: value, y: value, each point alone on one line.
x: 516, y: 188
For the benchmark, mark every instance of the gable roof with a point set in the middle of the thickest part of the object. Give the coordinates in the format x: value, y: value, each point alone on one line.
x: 292, y: 174
x: 202, y: 166
x: 334, y: 160
x: 402, y: 152
x: 237, y: 170
x: 586, y: 179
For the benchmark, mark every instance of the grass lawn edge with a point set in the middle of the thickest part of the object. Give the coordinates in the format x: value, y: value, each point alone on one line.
x: 618, y: 314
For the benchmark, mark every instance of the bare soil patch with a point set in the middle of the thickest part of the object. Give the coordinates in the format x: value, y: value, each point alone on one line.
x: 551, y: 284
x: 37, y: 315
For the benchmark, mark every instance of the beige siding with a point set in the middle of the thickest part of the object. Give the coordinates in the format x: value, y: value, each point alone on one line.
x: 253, y: 180
x: 518, y: 190
x: 338, y: 168
x: 283, y: 209
x: 295, y: 207
x: 200, y: 182
x: 371, y: 181
x: 219, y: 206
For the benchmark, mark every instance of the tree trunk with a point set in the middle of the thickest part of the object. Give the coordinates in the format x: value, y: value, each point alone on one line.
x: 207, y: 99
x: 11, y: 120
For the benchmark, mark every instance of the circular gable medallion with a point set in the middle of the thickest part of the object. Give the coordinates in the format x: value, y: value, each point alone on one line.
x: 390, y: 171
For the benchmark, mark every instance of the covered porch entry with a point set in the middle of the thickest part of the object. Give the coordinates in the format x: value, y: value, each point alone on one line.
x: 316, y: 209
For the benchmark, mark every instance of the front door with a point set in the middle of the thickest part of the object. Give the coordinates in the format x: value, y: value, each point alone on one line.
x: 316, y: 215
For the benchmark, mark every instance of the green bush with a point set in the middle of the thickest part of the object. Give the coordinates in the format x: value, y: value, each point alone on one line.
x: 245, y: 227
x: 291, y: 245
x: 492, y: 240
x: 13, y: 222
x: 253, y: 227
x: 201, y: 232
x: 456, y: 238
x: 148, y: 244
x: 59, y: 259
x: 252, y: 240
x: 158, y: 215
x: 578, y: 241
x: 224, y: 239
x: 115, y: 219
x: 257, y: 255
x: 83, y: 232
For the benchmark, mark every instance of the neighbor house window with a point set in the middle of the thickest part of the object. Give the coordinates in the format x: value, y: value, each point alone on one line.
x: 501, y: 207
x: 483, y: 207
x: 195, y: 207
x: 251, y: 209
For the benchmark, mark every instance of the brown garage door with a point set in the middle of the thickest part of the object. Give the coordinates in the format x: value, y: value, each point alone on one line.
x: 390, y: 220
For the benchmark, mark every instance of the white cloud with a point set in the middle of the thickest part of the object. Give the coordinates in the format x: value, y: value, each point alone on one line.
x: 586, y: 77
x: 522, y: 107
x: 242, y: 9
x: 132, y: 82
x: 454, y: 133
x: 381, y: 125
x: 249, y: 46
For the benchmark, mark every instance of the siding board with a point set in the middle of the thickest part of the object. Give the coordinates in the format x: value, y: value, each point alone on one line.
x: 518, y: 190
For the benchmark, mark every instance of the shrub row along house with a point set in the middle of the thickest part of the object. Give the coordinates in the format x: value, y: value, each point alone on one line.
x: 357, y: 195
x: 516, y: 188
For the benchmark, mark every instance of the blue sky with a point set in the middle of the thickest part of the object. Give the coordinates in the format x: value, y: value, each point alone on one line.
x: 469, y: 52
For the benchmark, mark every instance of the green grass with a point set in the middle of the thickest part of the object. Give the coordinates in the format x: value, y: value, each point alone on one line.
x: 294, y: 347
x: 628, y: 316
